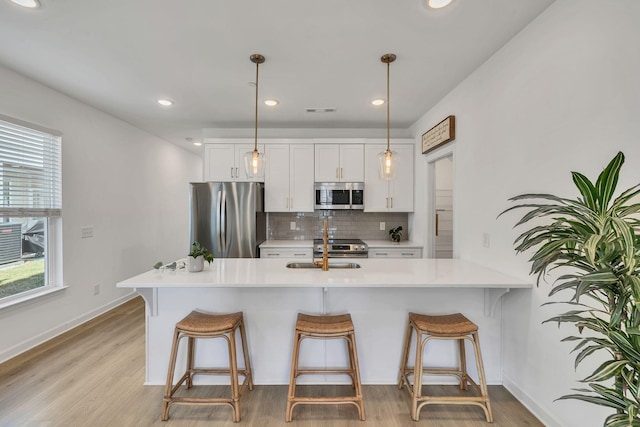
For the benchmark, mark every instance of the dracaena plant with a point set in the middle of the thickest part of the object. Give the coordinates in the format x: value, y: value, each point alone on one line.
x: 592, y: 240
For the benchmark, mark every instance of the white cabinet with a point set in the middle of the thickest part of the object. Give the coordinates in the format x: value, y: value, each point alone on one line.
x: 225, y: 162
x: 395, y: 253
x: 283, y: 252
x: 395, y: 195
x: 339, y: 162
x: 289, y: 178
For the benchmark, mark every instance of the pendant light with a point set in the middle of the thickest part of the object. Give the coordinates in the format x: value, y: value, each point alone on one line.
x: 388, y: 160
x: 254, y: 160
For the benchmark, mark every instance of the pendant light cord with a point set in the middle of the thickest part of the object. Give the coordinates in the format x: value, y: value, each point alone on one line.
x: 388, y: 108
x: 255, y: 139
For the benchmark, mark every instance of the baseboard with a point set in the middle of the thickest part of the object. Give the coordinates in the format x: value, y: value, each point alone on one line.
x: 32, y: 342
x: 523, y: 397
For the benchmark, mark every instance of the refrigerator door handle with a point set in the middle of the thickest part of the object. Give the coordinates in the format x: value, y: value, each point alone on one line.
x: 218, y: 219
x: 223, y: 224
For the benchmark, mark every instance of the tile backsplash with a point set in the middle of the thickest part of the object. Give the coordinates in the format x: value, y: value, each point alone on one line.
x: 345, y: 224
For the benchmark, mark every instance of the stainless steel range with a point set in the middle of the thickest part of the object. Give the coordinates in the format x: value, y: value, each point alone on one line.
x: 341, y: 248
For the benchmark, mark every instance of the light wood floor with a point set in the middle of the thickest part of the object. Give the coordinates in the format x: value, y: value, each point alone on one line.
x: 93, y: 376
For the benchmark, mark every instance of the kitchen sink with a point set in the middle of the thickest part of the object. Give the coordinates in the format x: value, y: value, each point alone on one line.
x: 331, y: 265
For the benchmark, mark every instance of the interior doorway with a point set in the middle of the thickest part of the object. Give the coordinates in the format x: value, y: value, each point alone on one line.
x: 442, y: 206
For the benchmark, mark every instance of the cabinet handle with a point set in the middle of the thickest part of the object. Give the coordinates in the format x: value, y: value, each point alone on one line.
x: 286, y: 202
x: 408, y: 254
x: 341, y: 173
x: 236, y: 172
x: 382, y: 253
x: 273, y: 254
x: 291, y: 202
x: 303, y: 254
x: 391, y: 199
x: 231, y: 172
x: 338, y: 173
x: 437, y: 224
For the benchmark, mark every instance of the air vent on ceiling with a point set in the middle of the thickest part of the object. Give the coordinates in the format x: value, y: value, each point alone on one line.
x: 320, y: 110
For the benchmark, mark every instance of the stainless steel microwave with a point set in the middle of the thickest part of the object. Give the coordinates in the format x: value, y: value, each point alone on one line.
x: 339, y: 195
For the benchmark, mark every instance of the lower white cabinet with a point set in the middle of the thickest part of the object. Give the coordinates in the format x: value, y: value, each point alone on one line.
x: 306, y: 253
x: 395, y: 253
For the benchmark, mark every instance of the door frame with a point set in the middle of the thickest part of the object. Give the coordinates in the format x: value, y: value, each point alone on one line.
x: 431, y: 159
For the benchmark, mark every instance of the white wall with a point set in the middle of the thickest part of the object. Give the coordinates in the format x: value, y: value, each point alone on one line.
x: 562, y: 95
x: 132, y: 187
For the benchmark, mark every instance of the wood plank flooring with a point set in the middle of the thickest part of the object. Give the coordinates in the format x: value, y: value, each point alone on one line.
x: 93, y: 376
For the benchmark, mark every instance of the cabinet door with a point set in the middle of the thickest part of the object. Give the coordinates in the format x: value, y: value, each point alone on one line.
x: 219, y: 162
x: 401, y: 188
x: 351, y: 162
x: 376, y: 189
x: 276, y: 178
x: 327, y: 162
x: 301, y: 178
x: 395, y: 253
x: 306, y: 253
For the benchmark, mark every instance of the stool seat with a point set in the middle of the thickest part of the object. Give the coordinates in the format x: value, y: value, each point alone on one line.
x: 325, y: 327
x: 324, y: 324
x: 445, y: 325
x: 198, y: 325
x: 205, y: 323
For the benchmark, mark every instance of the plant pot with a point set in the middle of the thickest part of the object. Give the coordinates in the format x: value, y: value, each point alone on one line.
x: 195, y: 264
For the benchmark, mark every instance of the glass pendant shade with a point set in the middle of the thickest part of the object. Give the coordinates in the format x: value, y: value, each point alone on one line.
x: 387, y: 164
x: 254, y: 164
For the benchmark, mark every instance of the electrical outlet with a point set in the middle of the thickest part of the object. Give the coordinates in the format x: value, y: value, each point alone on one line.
x: 486, y: 240
x: 382, y: 226
x: 86, y: 231
x: 96, y: 289
x: 292, y: 225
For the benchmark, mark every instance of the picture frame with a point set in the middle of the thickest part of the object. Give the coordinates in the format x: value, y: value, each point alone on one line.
x: 440, y: 134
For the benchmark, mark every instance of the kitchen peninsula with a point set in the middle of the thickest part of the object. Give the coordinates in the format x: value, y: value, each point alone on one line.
x: 378, y: 295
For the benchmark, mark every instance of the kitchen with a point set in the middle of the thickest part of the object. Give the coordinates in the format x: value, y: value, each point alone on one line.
x: 537, y: 95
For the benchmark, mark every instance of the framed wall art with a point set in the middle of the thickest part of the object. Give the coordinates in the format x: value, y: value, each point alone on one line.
x: 440, y: 134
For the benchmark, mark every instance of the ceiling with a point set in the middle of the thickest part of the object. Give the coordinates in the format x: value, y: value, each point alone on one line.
x: 120, y: 56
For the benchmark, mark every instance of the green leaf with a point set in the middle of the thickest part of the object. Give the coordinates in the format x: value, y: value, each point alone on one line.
x: 608, y: 180
x: 586, y: 188
x: 607, y: 370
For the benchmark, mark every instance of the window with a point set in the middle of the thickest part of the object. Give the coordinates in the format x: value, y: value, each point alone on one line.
x: 30, y: 207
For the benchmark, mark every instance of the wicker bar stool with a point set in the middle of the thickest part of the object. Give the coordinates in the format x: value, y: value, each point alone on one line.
x: 447, y: 327
x: 202, y: 325
x: 325, y: 327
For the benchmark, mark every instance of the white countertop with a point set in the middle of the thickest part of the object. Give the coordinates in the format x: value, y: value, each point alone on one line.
x: 275, y: 244
x: 374, y: 273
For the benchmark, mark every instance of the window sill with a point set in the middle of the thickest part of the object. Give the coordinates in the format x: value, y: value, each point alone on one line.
x: 12, y: 302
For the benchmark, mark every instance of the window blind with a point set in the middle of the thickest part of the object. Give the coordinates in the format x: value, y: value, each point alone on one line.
x: 30, y: 172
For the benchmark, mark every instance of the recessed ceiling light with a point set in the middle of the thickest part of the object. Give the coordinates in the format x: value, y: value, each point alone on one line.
x: 198, y: 143
x: 31, y: 4
x: 271, y: 102
x: 377, y: 102
x: 437, y: 4
x: 165, y: 102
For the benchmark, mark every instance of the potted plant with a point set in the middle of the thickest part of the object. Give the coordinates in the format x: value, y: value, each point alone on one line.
x: 396, y: 234
x: 196, y: 258
x: 593, y: 238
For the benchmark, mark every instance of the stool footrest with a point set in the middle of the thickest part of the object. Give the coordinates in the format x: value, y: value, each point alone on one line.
x: 324, y: 371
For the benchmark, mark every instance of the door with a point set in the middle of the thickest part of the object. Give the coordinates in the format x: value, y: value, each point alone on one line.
x: 327, y: 162
x: 351, y: 162
x: 205, y: 201
x: 276, y: 178
x: 220, y: 162
x: 444, y: 207
x: 301, y: 194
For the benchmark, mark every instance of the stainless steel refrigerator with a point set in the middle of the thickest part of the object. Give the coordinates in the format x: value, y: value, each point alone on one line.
x: 228, y: 217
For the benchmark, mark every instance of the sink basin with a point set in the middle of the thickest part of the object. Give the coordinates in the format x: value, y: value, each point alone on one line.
x: 331, y: 265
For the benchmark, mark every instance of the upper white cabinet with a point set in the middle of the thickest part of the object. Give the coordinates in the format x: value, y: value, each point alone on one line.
x: 289, y: 178
x: 389, y: 196
x: 339, y: 162
x: 225, y: 162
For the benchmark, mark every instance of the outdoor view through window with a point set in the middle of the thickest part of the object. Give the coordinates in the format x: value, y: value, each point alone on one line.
x: 29, y: 202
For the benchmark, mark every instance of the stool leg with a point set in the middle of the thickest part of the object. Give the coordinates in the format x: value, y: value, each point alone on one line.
x: 190, y: 357
x: 233, y: 367
x: 166, y: 402
x: 245, y: 353
x: 405, y: 355
x: 416, y: 392
x: 483, y: 380
x: 351, y: 339
x: 463, y: 365
x: 292, y: 376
